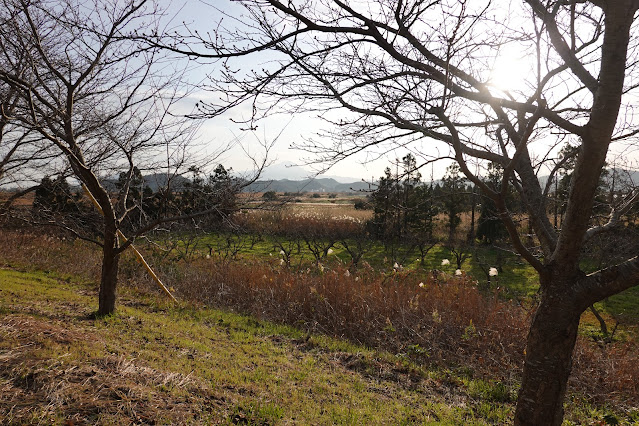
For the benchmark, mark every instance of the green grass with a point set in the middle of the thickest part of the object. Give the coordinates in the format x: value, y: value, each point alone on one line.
x: 625, y: 305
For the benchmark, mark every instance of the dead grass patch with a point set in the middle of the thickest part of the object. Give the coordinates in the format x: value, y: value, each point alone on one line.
x: 45, y: 380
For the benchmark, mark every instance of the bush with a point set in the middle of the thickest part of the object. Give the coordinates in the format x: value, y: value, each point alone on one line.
x: 269, y: 196
x: 361, y: 205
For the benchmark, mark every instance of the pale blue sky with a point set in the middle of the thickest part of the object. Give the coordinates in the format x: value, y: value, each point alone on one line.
x: 284, y: 128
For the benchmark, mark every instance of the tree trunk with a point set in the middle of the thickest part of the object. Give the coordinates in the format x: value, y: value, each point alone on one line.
x: 531, y: 232
x: 109, y: 278
x: 556, y: 206
x: 549, y: 350
x: 471, y: 232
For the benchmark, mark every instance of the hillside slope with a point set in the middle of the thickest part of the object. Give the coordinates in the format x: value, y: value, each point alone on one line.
x: 153, y: 363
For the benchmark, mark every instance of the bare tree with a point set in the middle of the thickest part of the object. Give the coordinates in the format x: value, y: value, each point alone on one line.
x: 414, y: 71
x: 18, y: 149
x: 82, y: 91
x: 106, y: 102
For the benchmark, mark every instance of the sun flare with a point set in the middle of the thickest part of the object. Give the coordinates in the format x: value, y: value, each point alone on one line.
x: 511, y: 72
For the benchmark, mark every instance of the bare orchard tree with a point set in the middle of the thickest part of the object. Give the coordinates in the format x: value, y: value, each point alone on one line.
x: 105, y: 101
x: 84, y: 82
x: 426, y: 72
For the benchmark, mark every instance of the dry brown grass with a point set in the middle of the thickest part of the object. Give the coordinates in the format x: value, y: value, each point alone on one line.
x: 37, y: 387
x: 44, y: 251
x: 445, y: 322
x: 327, y: 211
x: 24, y: 201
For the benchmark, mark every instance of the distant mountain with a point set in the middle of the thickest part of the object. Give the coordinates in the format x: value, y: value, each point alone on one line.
x: 290, y: 171
x: 306, y: 185
x: 623, y: 178
x: 159, y: 180
x: 285, y: 170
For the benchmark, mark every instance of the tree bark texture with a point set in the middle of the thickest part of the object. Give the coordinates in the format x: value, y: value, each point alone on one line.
x: 548, y: 361
x: 109, y: 277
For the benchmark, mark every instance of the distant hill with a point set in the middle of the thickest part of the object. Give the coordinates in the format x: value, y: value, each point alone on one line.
x: 158, y: 180
x: 285, y: 170
x: 623, y: 178
x: 319, y: 184
x: 306, y: 185
x: 294, y: 172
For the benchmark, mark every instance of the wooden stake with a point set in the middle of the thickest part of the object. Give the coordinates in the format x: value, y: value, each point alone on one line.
x: 137, y: 253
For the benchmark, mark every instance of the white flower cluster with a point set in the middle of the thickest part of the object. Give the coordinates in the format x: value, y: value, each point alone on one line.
x: 324, y: 215
x: 346, y: 218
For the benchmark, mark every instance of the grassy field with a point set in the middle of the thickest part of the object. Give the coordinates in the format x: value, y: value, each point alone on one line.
x: 516, y: 279
x: 155, y: 363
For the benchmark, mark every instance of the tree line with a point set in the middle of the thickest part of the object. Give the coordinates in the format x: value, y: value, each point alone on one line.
x: 405, y: 207
x: 55, y: 202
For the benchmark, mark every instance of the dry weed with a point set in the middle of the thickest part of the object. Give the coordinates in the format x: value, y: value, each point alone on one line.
x: 38, y: 387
